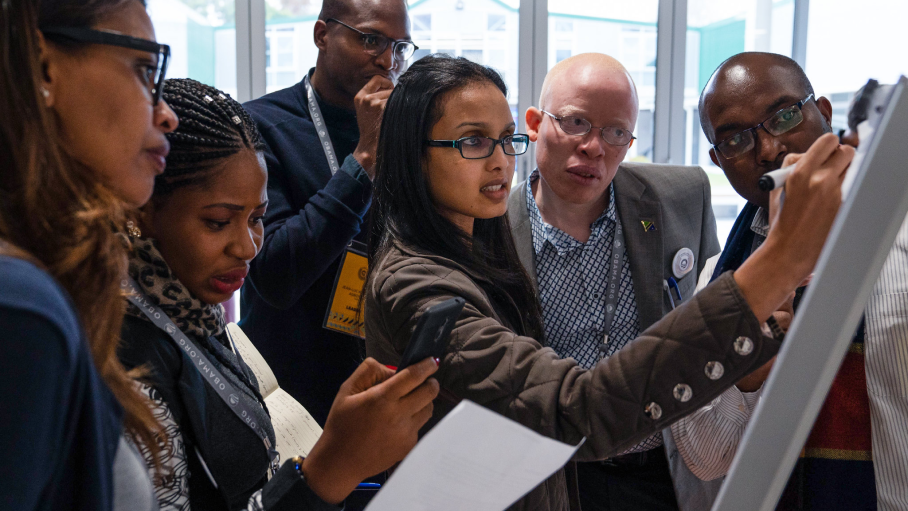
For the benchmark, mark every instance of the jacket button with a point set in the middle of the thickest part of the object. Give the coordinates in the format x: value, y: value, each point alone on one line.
x: 653, y: 411
x: 714, y: 370
x: 683, y: 392
x: 743, y: 345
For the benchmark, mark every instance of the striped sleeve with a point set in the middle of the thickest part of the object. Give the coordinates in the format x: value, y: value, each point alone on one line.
x: 886, y: 365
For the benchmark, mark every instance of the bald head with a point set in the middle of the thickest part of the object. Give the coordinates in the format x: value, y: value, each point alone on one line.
x: 741, y: 103
x: 592, y: 89
x: 585, y: 68
x: 744, y: 74
x: 353, y: 10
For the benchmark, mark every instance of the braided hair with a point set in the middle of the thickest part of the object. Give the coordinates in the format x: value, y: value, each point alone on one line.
x: 213, y: 127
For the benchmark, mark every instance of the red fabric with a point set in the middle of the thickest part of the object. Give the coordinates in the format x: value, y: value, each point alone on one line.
x: 844, y: 420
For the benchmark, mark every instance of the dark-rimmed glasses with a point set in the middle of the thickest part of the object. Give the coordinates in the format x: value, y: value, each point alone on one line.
x: 578, y: 126
x: 781, y: 122
x: 376, y: 44
x: 88, y: 35
x: 477, y: 148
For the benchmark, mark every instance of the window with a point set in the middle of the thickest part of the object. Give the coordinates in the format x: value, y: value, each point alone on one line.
x: 484, y: 31
x: 716, y: 30
x: 289, y: 49
x: 621, y: 29
x: 202, y: 39
x: 421, y: 22
x: 497, y: 22
x: 875, y: 51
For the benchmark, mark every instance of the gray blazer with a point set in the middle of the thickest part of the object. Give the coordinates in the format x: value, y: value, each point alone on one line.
x: 677, y: 200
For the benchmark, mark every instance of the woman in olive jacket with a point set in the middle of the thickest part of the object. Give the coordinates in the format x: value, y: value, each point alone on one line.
x: 440, y: 231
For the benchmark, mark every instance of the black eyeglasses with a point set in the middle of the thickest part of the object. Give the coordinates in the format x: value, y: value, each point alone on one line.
x: 477, y: 148
x: 88, y: 35
x: 376, y: 44
x: 781, y: 122
x: 573, y: 125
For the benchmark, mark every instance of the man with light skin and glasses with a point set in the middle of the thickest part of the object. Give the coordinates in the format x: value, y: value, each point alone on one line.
x: 756, y: 109
x: 597, y: 291
x: 321, y: 136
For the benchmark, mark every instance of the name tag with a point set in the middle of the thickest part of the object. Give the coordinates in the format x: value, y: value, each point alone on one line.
x: 343, y: 312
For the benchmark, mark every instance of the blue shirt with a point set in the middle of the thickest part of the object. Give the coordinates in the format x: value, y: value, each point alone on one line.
x: 60, y: 425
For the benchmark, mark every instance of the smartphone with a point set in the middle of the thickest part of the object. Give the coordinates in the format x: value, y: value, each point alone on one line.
x: 432, y: 331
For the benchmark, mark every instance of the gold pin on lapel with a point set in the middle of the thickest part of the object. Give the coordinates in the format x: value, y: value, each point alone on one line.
x: 648, y: 225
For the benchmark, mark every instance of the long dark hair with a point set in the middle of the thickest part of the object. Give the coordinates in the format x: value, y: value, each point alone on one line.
x: 402, y: 208
x: 54, y: 211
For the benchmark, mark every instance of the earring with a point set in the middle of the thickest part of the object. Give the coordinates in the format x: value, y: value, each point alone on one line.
x: 133, y: 230
x: 45, y: 93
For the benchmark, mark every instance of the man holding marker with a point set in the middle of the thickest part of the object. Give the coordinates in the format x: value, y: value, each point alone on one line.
x: 756, y: 109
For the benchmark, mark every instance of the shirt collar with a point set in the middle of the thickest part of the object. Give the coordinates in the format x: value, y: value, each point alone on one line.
x: 562, y: 241
x: 760, y: 224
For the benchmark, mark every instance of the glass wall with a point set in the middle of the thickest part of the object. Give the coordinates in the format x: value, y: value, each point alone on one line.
x: 484, y: 31
x: 839, y: 62
x: 289, y: 47
x: 621, y: 29
x: 716, y: 30
x: 208, y: 29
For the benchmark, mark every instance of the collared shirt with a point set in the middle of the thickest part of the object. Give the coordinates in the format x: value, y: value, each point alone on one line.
x: 760, y: 227
x: 573, y: 280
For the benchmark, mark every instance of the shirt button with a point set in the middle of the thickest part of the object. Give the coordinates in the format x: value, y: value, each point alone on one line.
x: 603, y: 347
x: 714, y: 370
x: 653, y: 411
x: 596, y: 296
x: 683, y: 392
x: 743, y: 345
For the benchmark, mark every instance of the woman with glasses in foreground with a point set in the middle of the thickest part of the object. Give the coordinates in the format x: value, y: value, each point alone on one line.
x: 444, y: 168
x: 82, y: 138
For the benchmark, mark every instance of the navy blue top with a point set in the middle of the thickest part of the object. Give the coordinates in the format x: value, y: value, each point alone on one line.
x: 311, y: 218
x: 60, y: 425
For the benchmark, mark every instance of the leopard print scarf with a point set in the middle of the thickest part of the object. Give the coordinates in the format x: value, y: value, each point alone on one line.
x: 153, y: 276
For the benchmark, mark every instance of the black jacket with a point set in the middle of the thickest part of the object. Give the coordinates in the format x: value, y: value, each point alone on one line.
x: 311, y: 218
x: 233, y: 453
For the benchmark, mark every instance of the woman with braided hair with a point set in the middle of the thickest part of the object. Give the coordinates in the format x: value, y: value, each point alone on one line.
x: 199, y: 232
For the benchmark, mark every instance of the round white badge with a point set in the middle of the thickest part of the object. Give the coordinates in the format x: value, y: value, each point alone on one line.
x: 683, y: 262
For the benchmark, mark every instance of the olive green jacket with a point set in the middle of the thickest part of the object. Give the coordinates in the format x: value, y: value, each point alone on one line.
x: 516, y: 376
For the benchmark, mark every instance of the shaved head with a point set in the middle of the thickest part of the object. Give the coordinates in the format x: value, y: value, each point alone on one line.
x: 742, y: 94
x: 581, y: 67
x: 738, y: 74
x: 344, y: 9
x: 576, y: 170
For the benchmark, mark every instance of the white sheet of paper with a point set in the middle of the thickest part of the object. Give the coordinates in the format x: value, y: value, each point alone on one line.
x: 473, y: 460
x: 253, y: 359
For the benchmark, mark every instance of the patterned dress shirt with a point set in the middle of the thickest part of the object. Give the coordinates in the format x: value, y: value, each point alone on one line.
x: 573, y: 280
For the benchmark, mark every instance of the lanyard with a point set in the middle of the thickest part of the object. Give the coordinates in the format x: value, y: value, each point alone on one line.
x: 320, y: 127
x: 209, y: 372
x: 614, y: 279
